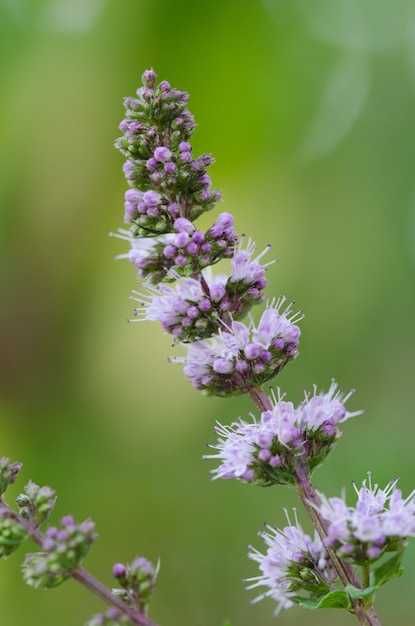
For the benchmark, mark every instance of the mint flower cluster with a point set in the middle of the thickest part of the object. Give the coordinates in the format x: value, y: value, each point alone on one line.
x: 208, y: 312
x: 265, y: 452
x: 294, y: 562
x: 380, y: 522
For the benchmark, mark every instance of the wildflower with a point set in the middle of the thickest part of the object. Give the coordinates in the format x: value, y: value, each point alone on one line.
x: 185, y: 250
x: 195, y: 308
x: 241, y: 357
x: 185, y: 310
x: 293, y: 562
x: 381, y: 521
x: 266, y: 452
x: 244, y: 268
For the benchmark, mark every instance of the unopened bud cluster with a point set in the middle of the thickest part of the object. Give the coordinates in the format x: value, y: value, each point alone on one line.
x: 185, y: 250
x: 138, y: 581
x: 166, y: 180
x: 111, y: 617
x: 36, y: 503
x: 169, y: 190
x: 64, y: 549
x: 12, y: 533
x: 8, y: 473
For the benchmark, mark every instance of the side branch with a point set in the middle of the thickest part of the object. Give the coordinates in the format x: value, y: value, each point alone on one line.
x: 82, y: 576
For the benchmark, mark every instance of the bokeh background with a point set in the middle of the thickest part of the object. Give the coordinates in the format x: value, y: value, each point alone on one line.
x: 309, y: 109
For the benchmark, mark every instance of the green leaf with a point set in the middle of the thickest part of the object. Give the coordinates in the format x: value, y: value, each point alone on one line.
x: 357, y: 594
x: 332, y: 600
x: 308, y: 603
x: 388, y: 570
x: 226, y: 623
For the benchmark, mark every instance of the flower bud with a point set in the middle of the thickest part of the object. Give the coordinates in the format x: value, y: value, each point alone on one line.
x: 11, y: 533
x: 119, y: 570
x: 138, y: 581
x: 37, y: 503
x: 149, y: 78
x: 8, y: 473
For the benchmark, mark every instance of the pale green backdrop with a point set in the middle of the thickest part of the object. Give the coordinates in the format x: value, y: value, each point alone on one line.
x: 309, y: 109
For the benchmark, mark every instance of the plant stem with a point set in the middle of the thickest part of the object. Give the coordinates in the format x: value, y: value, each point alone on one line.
x: 92, y: 584
x: 260, y: 399
x: 309, y: 497
x: 83, y: 577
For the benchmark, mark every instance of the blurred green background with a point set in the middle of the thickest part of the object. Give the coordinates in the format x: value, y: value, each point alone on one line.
x: 309, y: 109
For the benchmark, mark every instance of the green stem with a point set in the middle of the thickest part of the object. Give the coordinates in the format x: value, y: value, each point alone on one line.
x: 366, y: 576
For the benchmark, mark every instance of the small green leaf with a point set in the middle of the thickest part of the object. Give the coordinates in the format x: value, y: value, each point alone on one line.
x: 388, y: 570
x: 308, y: 603
x: 226, y: 623
x: 332, y: 600
x: 357, y: 594
x: 335, y: 600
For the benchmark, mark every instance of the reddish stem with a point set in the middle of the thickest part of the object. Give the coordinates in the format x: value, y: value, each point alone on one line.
x: 83, y: 577
x: 367, y: 616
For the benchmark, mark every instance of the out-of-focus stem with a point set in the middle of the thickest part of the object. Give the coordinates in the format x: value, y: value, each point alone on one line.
x: 92, y: 584
x: 83, y: 577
